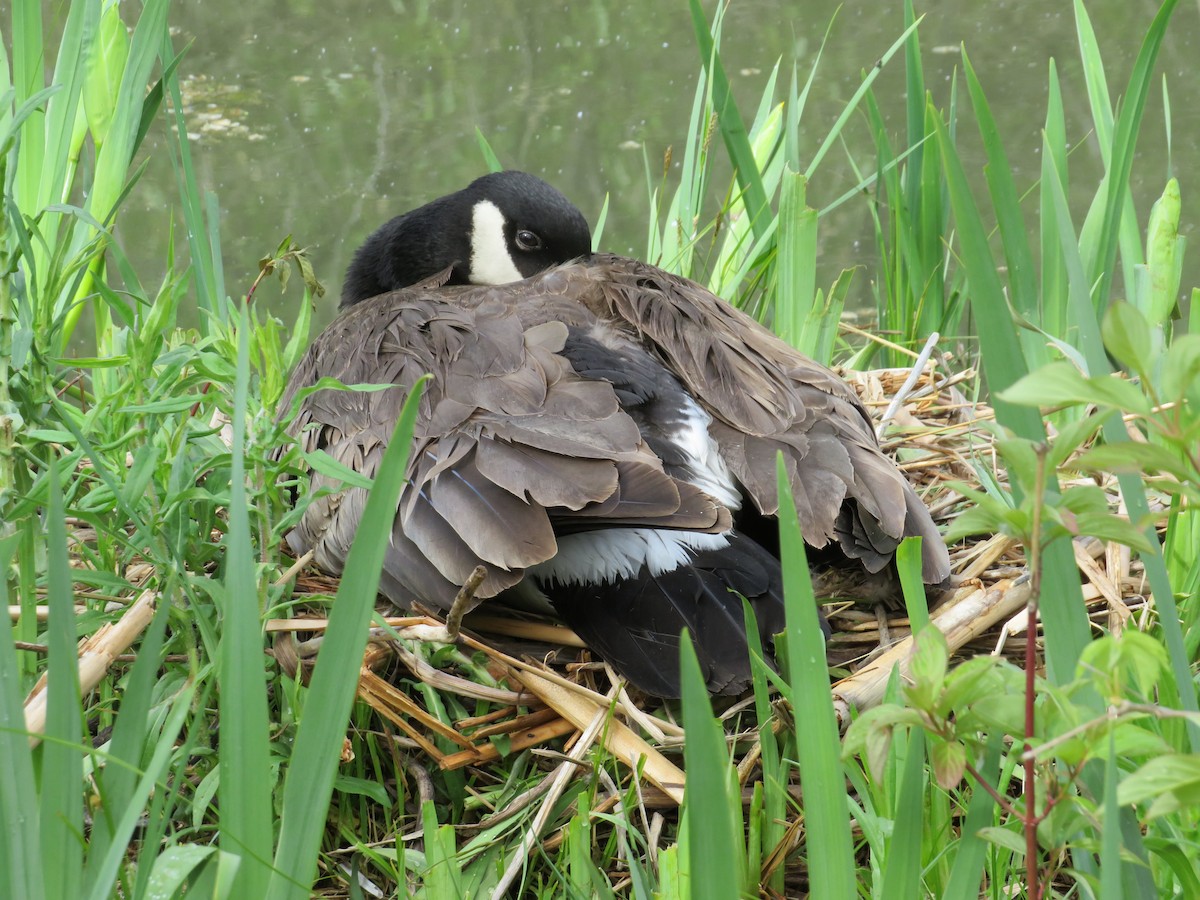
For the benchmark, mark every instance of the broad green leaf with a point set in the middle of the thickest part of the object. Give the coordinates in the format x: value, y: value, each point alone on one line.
x: 1167, y: 781
x: 1060, y: 383
x: 174, y: 866
x: 1004, y: 837
x: 1181, y: 370
x: 1118, y: 664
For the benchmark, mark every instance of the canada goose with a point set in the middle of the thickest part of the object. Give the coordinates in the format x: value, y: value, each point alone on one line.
x: 596, y: 428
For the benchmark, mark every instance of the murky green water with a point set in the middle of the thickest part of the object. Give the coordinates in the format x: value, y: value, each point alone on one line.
x: 324, y: 119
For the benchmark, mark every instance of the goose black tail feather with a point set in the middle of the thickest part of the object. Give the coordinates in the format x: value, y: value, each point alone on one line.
x: 635, y: 623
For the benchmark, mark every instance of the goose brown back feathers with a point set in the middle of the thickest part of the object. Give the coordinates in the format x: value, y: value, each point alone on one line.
x: 592, y: 430
x: 510, y: 442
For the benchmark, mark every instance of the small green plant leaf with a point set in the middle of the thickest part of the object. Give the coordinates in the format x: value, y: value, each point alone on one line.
x: 949, y: 760
x: 1004, y: 837
x: 1181, y: 370
x: 1170, y: 782
x: 1126, y: 336
x: 1117, y: 665
x: 871, y: 734
x: 927, y: 669
x: 1164, y: 255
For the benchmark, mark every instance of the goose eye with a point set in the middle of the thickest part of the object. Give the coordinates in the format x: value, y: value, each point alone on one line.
x: 527, y: 240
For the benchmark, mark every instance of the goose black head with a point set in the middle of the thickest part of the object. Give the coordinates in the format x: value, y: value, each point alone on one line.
x: 502, y: 227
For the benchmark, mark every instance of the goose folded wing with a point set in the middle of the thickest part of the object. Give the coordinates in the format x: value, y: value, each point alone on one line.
x: 510, y: 447
x: 766, y: 397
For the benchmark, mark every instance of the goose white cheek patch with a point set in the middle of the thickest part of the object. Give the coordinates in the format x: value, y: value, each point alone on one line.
x: 491, y: 263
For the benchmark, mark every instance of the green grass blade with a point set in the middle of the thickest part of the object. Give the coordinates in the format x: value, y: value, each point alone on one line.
x: 20, y: 847
x: 818, y: 749
x: 313, y: 765
x: 490, y: 159
x: 28, y: 78
x: 117, y: 780
x: 61, y: 807
x: 795, y: 108
x: 908, y: 565
x: 674, y: 247
x: 902, y: 871
x: 733, y: 128
x: 1054, y: 310
x: 797, y: 236
x: 1022, y: 281
x: 710, y: 799
x: 1121, y: 163
x: 114, y: 156
x: 1003, y: 362
x: 852, y: 104
x: 245, y: 789
x: 914, y: 110
x: 443, y: 874
x: 204, y: 261
x: 772, y: 828
x: 967, y: 871
x: 61, y: 150
x: 1110, y: 844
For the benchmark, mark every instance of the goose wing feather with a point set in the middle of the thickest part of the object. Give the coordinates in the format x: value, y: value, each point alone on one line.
x: 508, y: 442
x: 765, y: 397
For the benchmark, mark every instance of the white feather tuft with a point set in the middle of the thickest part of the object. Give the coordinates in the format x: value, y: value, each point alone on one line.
x: 707, y: 469
x: 602, y: 557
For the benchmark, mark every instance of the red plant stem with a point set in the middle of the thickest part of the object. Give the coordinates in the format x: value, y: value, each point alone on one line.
x: 1000, y: 799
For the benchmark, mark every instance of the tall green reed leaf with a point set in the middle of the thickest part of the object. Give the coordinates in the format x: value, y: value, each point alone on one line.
x: 1065, y: 619
x: 796, y: 291
x: 733, y: 127
x: 20, y: 834
x: 1054, y: 306
x: 714, y: 835
x: 818, y: 748
x: 246, y: 781
x: 115, y: 154
x: 1120, y: 163
x: 309, y: 781
x: 61, y: 808
x: 1022, y: 276
x: 902, y: 869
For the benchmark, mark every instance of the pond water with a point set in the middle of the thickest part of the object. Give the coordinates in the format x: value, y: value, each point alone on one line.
x: 323, y: 120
